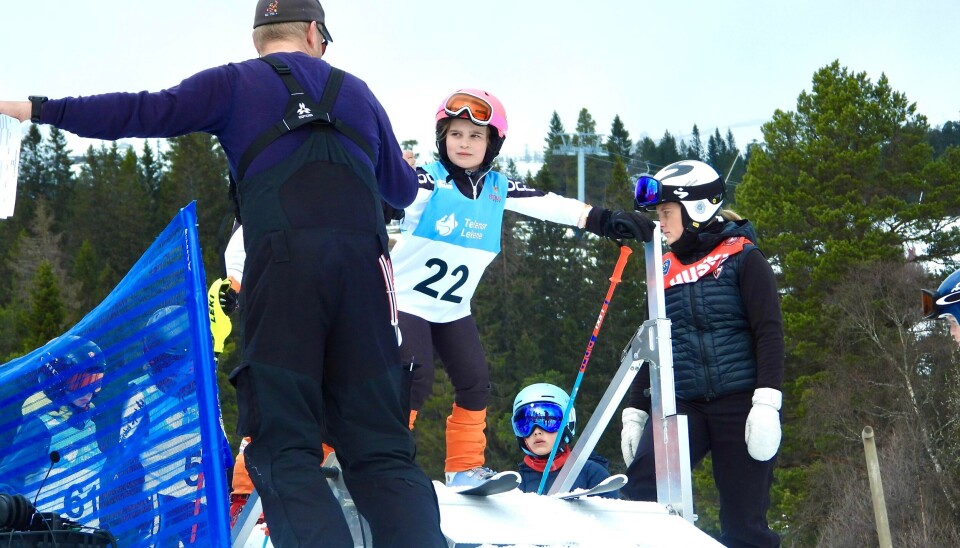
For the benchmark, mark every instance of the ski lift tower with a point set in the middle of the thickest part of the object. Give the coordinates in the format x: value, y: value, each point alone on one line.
x: 579, y: 145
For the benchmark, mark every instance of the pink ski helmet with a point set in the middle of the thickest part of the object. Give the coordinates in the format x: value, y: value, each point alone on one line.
x: 482, y: 109
x: 476, y: 105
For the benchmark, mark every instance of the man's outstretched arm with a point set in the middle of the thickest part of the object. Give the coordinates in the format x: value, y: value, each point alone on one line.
x: 16, y: 109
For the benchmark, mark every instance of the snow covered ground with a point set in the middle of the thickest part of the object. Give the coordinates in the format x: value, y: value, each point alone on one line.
x: 522, y: 520
x: 527, y: 520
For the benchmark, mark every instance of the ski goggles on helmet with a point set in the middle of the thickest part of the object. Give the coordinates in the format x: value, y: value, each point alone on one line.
x: 477, y: 109
x: 165, y: 362
x: 934, y: 307
x: 651, y: 192
x: 546, y: 415
x: 85, y: 383
x: 647, y: 193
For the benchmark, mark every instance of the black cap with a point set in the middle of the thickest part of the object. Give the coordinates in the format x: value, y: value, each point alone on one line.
x: 290, y: 11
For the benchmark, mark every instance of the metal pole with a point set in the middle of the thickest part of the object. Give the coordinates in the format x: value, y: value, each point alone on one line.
x: 876, y: 488
x: 651, y: 343
x: 581, y: 192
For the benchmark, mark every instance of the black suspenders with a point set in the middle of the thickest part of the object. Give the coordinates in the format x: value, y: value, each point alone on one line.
x: 301, y: 110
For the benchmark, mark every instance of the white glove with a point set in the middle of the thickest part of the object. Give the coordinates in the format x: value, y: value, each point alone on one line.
x: 633, y: 423
x: 763, y: 424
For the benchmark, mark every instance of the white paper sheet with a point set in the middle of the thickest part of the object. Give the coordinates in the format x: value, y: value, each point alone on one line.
x: 9, y: 163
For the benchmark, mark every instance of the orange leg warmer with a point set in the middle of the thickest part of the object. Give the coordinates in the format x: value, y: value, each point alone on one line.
x: 466, y: 441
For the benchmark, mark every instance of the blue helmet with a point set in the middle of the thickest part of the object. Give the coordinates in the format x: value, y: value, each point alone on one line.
x: 75, y: 366
x: 542, y: 405
x: 168, y: 332
x: 943, y: 302
x: 166, y: 343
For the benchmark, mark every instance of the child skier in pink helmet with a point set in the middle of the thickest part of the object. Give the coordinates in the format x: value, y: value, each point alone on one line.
x: 450, y: 234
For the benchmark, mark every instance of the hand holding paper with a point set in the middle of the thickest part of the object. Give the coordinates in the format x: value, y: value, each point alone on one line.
x: 9, y: 163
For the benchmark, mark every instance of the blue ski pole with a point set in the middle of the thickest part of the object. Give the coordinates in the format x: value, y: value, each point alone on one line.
x: 614, y: 280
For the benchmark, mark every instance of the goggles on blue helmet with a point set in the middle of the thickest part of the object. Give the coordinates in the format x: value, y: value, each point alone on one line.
x: 934, y: 306
x: 546, y: 415
x: 89, y: 382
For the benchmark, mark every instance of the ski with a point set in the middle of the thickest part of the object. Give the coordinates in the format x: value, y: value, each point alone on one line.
x: 500, y: 483
x: 610, y: 484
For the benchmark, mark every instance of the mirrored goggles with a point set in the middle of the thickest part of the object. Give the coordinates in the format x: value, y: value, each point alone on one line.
x: 933, y: 307
x: 647, y: 193
x: 85, y: 383
x: 546, y: 415
x: 478, y: 110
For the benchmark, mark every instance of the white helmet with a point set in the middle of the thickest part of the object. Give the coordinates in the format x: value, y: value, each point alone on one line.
x: 693, y: 184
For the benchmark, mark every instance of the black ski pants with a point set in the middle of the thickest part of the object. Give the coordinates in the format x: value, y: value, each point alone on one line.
x: 717, y: 427
x: 320, y: 362
x: 460, y: 350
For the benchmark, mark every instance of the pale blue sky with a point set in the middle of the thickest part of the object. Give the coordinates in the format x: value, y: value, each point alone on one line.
x: 659, y: 65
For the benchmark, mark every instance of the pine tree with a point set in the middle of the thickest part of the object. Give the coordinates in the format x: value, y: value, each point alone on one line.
x: 37, y: 245
x: 619, y: 143
x: 554, y: 136
x: 198, y: 171
x: 647, y: 157
x: 151, y: 169
x: 668, y: 151
x: 111, y: 208
x: 32, y: 179
x: 59, y: 168
x: 946, y: 136
x: 620, y: 192
x: 835, y: 195
x: 90, y: 274
x: 44, y: 319
x: 839, y: 182
x: 694, y: 151
x: 716, y: 150
x: 586, y: 129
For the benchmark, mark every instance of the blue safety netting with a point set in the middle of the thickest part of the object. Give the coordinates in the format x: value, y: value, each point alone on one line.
x: 147, y: 460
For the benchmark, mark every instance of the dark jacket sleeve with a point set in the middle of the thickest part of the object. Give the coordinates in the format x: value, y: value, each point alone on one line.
x: 758, y: 290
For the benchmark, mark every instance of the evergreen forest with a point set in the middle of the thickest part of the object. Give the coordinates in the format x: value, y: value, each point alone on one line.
x: 856, y: 201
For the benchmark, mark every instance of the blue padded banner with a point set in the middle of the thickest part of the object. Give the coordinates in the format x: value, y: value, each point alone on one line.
x: 116, y: 423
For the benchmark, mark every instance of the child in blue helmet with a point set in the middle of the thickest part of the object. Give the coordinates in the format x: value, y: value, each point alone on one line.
x: 55, y: 459
x: 157, y: 427
x: 944, y: 303
x: 537, y: 421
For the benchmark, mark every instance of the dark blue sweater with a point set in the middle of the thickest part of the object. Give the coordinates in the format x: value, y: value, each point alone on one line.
x: 594, y: 471
x: 236, y: 103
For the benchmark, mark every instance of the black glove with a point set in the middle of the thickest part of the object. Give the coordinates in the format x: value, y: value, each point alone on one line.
x: 391, y: 213
x: 229, y: 299
x: 628, y: 224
